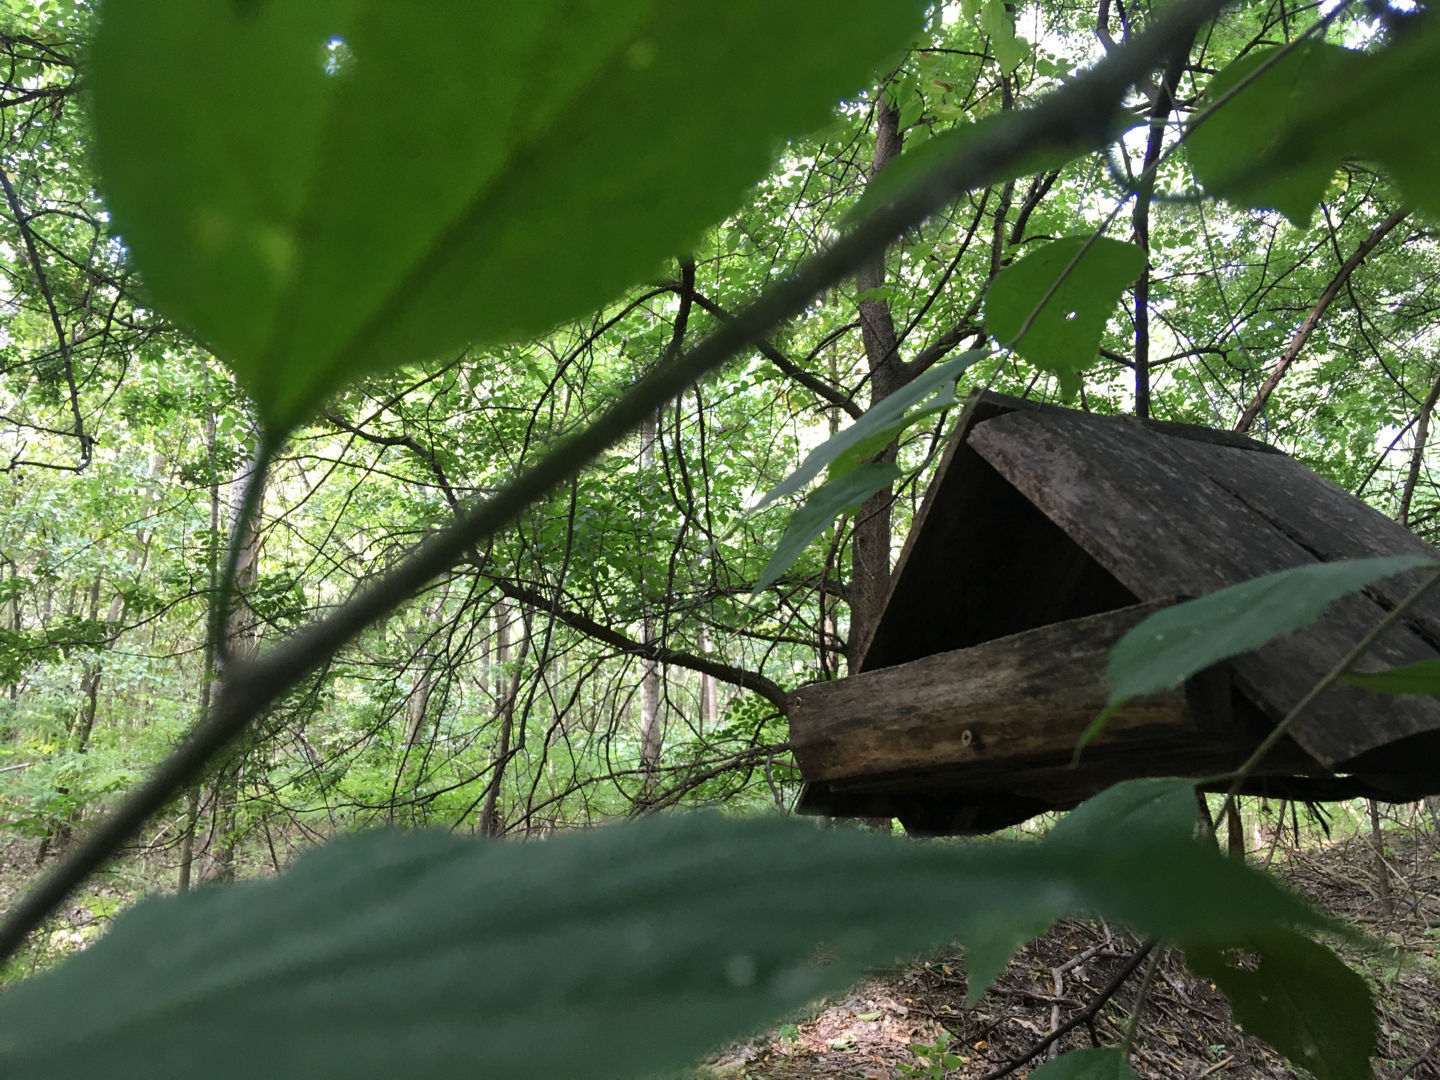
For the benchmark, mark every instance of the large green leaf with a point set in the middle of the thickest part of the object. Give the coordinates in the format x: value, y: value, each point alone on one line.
x: 1380, y: 107
x: 1278, y: 141
x: 1097, y: 1063
x: 1224, y: 150
x: 1063, y: 335
x: 323, y: 187
x: 621, y: 952
x: 886, y: 419
x: 1176, y: 643
x: 822, y: 506
x: 1173, y: 644
x: 1155, y: 810
x: 1421, y: 678
x: 999, y: 25
x: 1302, y: 1000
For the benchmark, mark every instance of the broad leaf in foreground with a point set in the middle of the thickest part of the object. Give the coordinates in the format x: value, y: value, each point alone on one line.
x: 822, y: 506
x: 307, y: 220
x: 1300, y: 999
x: 1051, y: 306
x: 1174, y: 644
x: 425, y: 954
x: 1259, y: 96
x: 885, y: 419
x: 1279, y: 140
x: 1421, y: 678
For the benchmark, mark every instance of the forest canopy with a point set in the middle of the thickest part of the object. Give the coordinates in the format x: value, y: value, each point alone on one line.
x: 418, y: 392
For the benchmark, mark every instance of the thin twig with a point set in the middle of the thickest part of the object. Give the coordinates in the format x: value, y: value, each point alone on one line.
x: 1084, y: 1016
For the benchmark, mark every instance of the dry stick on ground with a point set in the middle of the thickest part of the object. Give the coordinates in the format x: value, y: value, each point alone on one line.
x: 1084, y: 1016
x: 1078, y: 117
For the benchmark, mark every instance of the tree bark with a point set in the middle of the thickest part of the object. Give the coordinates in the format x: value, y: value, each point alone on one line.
x: 709, y: 688
x: 1417, y: 454
x: 870, y: 539
x: 507, y: 691
x: 652, y: 731
x: 1377, y: 854
x: 1160, y: 108
x: 241, y: 637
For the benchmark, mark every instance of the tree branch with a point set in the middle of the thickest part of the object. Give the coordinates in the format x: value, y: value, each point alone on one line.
x: 1078, y: 117
x: 1312, y: 319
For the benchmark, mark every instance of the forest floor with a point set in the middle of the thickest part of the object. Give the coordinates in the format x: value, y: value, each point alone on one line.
x: 1067, y: 977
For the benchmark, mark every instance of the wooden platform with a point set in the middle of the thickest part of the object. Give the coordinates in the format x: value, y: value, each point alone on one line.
x: 1044, y: 536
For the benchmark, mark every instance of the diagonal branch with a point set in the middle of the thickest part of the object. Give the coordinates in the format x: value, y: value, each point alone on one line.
x: 62, y: 340
x: 1078, y: 117
x: 1312, y: 319
x: 770, y: 690
x: 788, y: 367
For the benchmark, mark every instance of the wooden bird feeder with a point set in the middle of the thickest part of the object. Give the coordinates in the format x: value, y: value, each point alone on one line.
x: 1047, y: 534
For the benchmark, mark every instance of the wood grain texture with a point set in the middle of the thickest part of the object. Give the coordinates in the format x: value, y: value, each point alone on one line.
x: 1020, y: 700
x: 1163, y: 516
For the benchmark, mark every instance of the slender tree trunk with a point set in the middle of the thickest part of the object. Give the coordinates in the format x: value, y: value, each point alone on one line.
x: 507, y: 691
x: 187, y: 839
x: 1407, y: 497
x: 1312, y: 318
x: 417, y: 707
x: 241, y: 637
x: 1417, y: 455
x: 709, y: 687
x: 652, y: 730
x: 870, y: 539
x: 207, y: 672
x: 1377, y: 852
x: 1235, y: 832
x: 1159, y: 112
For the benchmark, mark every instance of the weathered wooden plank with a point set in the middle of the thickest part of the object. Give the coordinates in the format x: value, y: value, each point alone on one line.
x: 1023, y: 698
x: 971, y: 517
x: 1324, y: 519
x: 1139, y: 508
x: 946, y: 592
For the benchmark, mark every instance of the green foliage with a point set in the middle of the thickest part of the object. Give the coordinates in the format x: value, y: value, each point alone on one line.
x: 1051, y: 306
x: 843, y: 494
x: 851, y: 480
x: 1421, y: 678
x: 936, y: 1059
x: 1279, y: 139
x: 921, y: 158
x: 1095, y: 1063
x: 1173, y: 644
x: 881, y: 424
x: 288, y: 207
x: 1299, y: 997
x: 386, y: 953
x: 1255, y: 99
x: 314, y: 203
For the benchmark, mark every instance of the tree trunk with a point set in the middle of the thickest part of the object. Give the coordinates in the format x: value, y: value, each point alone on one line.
x: 207, y: 673
x: 709, y: 687
x: 652, y: 730
x: 241, y: 636
x: 1377, y: 851
x: 870, y: 540
x: 1235, y: 831
x: 507, y: 692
